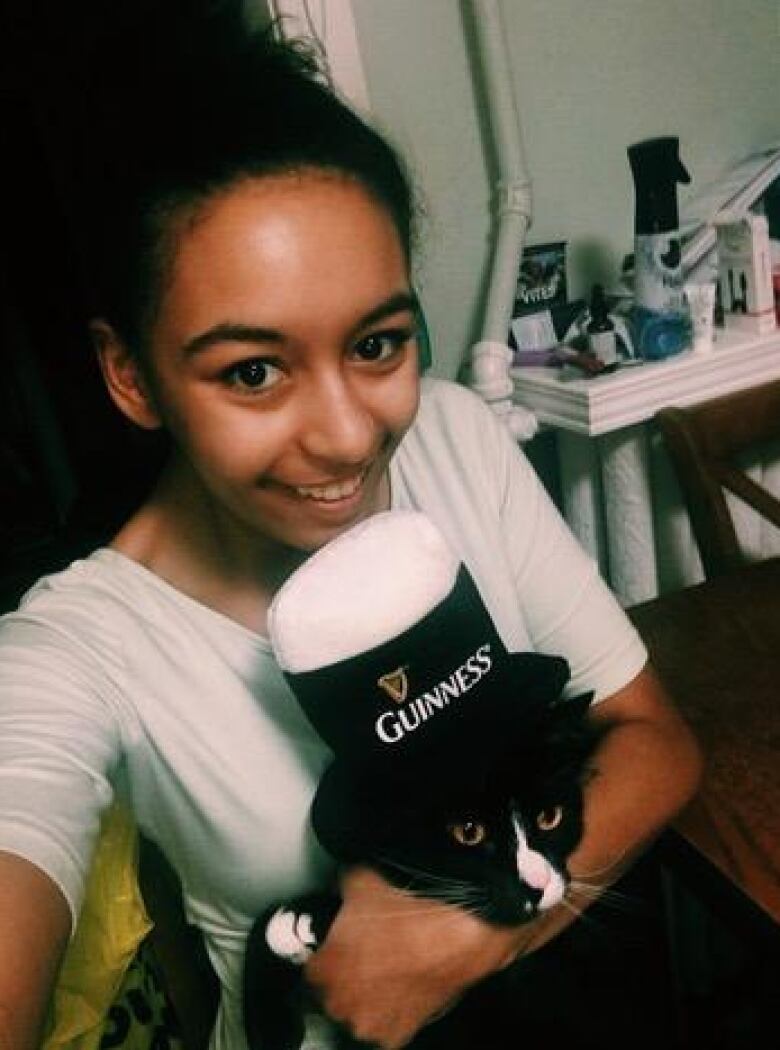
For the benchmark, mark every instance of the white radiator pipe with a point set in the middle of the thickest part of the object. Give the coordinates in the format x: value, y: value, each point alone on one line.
x: 491, y: 356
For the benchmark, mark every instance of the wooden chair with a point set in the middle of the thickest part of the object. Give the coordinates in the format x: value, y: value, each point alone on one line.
x: 705, y: 442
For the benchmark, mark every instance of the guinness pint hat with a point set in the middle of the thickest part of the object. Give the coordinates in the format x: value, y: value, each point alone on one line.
x: 387, y: 645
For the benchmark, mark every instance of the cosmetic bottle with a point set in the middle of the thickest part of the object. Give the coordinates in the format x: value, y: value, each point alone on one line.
x: 601, y: 331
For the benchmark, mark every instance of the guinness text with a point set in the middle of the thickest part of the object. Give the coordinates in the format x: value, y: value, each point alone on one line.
x: 391, y: 726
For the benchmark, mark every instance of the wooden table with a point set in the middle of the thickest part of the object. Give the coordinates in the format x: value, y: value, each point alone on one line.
x: 717, y: 648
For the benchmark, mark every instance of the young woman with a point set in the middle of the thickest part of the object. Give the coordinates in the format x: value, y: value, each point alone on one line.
x: 252, y: 251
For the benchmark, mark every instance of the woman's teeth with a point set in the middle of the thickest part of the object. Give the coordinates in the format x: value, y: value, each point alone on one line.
x: 333, y: 492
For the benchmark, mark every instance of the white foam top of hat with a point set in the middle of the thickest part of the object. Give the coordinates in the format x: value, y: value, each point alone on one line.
x: 361, y: 589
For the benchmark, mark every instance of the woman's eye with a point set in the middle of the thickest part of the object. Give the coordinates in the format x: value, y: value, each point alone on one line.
x: 469, y: 833
x: 253, y: 374
x: 549, y: 819
x: 382, y: 345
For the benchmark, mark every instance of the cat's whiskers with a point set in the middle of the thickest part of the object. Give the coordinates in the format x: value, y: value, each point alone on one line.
x: 459, y: 894
x: 567, y: 903
x: 614, y: 898
x: 422, y: 873
x: 579, y: 895
x: 439, y: 887
x: 586, y: 893
x: 466, y: 899
x: 583, y: 914
x: 606, y: 869
x: 391, y: 913
x: 586, y: 889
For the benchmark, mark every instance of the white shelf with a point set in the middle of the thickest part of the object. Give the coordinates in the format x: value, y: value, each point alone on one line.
x: 593, y: 407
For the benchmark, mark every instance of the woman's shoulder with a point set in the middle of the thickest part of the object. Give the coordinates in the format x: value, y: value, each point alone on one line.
x: 455, y: 424
x: 88, y: 605
x: 449, y: 398
x: 67, y: 642
x: 81, y: 583
x: 450, y: 411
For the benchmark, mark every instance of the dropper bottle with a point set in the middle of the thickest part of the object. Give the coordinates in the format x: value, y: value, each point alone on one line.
x: 601, y: 330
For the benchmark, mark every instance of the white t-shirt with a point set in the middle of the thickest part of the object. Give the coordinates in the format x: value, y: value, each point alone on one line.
x: 111, y: 680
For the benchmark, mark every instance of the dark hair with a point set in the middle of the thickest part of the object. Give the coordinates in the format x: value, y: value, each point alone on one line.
x: 182, y: 111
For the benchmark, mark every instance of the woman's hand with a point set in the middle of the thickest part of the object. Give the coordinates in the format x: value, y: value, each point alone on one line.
x: 393, y: 962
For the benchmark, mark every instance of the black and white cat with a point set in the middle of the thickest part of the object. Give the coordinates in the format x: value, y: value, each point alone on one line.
x: 497, y: 846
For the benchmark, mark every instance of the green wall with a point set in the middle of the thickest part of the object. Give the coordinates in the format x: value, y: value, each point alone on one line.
x: 590, y: 77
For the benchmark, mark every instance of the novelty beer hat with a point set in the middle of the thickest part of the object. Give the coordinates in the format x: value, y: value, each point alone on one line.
x: 387, y: 645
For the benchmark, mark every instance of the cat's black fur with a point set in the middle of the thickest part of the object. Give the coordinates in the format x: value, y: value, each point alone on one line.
x: 453, y: 841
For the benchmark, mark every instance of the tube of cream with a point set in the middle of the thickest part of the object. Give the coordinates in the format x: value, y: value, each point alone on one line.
x: 701, y: 303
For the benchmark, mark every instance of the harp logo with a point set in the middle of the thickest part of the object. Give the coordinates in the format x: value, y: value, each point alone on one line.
x: 395, y: 684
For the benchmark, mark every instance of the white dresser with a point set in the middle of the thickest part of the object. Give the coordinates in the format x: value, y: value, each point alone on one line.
x: 619, y: 492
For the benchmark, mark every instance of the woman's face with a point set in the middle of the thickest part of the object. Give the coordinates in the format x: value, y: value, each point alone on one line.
x: 283, y: 359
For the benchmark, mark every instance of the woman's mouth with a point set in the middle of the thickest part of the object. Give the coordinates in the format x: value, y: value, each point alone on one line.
x: 332, y: 491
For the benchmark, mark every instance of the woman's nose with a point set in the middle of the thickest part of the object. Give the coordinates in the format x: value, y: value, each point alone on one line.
x: 338, y: 426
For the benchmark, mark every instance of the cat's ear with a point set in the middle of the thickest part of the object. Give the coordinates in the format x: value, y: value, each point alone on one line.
x: 537, y: 680
x: 567, y: 720
x: 573, y: 707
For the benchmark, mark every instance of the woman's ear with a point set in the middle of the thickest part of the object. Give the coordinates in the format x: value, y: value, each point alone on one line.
x: 123, y: 377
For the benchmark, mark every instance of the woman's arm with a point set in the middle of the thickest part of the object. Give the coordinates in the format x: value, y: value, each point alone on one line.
x: 391, y: 962
x: 648, y: 767
x: 34, y: 929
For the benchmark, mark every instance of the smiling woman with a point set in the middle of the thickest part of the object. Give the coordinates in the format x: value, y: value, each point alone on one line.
x: 249, y: 242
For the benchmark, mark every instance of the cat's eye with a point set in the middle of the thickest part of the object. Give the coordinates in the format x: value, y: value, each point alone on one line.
x: 469, y: 833
x: 549, y: 819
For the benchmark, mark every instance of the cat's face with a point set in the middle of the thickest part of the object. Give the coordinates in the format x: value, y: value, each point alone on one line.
x: 500, y: 855
x: 498, y: 846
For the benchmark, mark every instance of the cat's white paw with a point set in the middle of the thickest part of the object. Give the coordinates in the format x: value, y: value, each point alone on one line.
x: 290, y: 936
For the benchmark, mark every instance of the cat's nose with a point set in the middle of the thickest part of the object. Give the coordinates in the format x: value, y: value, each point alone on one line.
x: 534, y: 870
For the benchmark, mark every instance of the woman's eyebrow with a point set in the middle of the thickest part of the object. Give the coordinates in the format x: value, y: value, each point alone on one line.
x: 230, y: 332
x: 396, y: 304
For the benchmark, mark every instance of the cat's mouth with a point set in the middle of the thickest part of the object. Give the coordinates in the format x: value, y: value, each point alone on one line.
x: 538, y: 901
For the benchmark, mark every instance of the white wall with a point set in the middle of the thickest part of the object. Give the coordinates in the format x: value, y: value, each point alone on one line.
x: 590, y: 77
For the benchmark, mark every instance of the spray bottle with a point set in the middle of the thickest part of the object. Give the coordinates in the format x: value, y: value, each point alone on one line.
x: 661, y: 324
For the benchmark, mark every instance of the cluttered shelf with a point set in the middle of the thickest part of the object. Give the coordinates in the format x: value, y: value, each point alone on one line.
x: 692, y: 316
x: 616, y: 490
x: 633, y: 394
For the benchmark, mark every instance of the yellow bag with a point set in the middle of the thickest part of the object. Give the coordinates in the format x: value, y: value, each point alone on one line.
x: 112, y: 925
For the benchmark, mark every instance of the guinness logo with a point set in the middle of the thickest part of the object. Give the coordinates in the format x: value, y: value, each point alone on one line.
x: 395, y: 684
x: 392, y: 725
